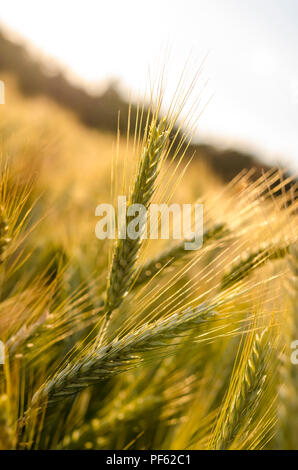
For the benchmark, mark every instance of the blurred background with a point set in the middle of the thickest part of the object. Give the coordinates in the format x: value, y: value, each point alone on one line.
x: 93, y: 57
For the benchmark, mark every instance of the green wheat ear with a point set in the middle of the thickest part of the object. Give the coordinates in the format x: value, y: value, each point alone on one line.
x: 4, y: 239
x: 167, y: 257
x: 251, y: 261
x: 251, y: 386
x: 119, y: 356
x: 126, y: 250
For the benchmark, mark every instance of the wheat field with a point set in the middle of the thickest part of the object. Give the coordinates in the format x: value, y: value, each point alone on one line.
x: 139, y: 344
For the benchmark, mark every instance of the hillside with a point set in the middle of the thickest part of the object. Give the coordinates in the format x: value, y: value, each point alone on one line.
x: 101, y: 111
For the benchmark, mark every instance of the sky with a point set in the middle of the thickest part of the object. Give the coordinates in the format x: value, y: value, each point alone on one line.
x: 249, y: 83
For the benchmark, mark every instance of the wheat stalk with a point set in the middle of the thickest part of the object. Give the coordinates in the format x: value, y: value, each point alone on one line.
x: 251, y: 386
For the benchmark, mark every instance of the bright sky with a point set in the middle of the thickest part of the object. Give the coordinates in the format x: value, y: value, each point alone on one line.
x: 252, y: 63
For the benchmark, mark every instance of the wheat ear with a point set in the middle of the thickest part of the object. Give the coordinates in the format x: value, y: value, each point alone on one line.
x: 169, y: 256
x: 126, y: 409
x: 120, y: 355
x: 251, y: 385
x: 250, y: 261
x: 126, y: 250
